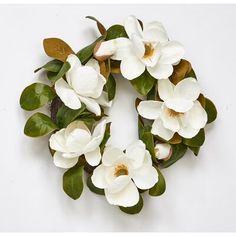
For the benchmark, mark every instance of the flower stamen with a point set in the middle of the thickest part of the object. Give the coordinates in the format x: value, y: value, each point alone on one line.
x: 174, y: 113
x: 121, y: 170
x: 149, y: 50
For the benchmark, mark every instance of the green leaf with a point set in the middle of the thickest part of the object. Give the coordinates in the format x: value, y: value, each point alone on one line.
x: 152, y: 94
x: 52, y: 76
x: 35, y: 96
x: 144, y: 83
x: 65, y: 115
x: 93, y: 188
x: 134, y: 209
x: 111, y: 87
x: 86, y: 53
x: 52, y: 66
x: 196, y: 141
x: 116, y: 31
x: 210, y: 110
x: 106, y: 137
x: 73, y: 181
x: 160, y: 187
x: 148, y: 140
x: 39, y: 125
x: 100, y: 26
x: 178, y: 152
x: 195, y: 150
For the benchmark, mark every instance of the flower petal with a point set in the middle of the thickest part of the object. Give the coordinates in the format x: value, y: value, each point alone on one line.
x: 188, y: 89
x: 62, y: 162
x: 187, y: 131
x: 117, y: 183
x: 67, y: 94
x: 131, y: 67
x: 149, y: 109
x: 132, y: 26
x: 154, y: 25
x: 93, y: 157
x: 105, y: 50
x: 154, y: 35
x: 179, y: 105
x: 127, y: 197
x: 138, y: 45
x: 74, y: 65
x: 98, y: 177
x: 163, y: 150
x: 91, y: 105
x: 103, y: 100
x: 160, y: 71
x: 94, y: 64
x: 171, y: 52
x: 161, y: 131
x: 111, y: 155
x: 136, y: 153
x: 57, y: 141
x: 145, y: 177
x: 165, y: 89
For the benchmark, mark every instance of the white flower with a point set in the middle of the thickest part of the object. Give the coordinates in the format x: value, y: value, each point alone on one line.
x: 162, y: 151
x: 179, y: 112
x: 76, y: 140
x: 84, y: 84
x: 149, y: 48
x: 121, y: 173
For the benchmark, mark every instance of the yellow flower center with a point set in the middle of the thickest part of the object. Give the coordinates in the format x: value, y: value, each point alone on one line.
x: 173, y: 113
x: 121, y: 170
x: 149, y: 50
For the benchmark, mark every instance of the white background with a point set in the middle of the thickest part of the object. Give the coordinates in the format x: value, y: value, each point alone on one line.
x: 201, y: 192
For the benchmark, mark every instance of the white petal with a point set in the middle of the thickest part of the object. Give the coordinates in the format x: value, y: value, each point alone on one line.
x: 197, y: 116
x: 94, y: 157
x: 94, y: 64
x: 57, y: 141
x: 155, y: 35
x: 131, y: 67
x: 98, y: 177
x: 179, y: 105
x: 105, y: 49
x: 152, y: 60
x: 84, y: 81
x: 127, y: 197
x: 169, y: 121
x: 161, y: 131
x: 171, y: 52
x: 98, y: 91
x: 149, y: 109
x: 62, y: 162
x: 118, y: 183
x: 163, y: 150
x: 188, y: 131
x: 145, y: 177
x: 165, y: 89
x: 138, y: 45
x: 154, y: 25
x: 91, y: 105
x: 188, y: 89
x: 132, y: 26
x: 67, y: 94
x: 73, y: 60
x: 136, y: 153
x: 103, y: 100
x: 123, y: 49
x: 77, y: 124
x: 111, y: 155
x: 160, y: 71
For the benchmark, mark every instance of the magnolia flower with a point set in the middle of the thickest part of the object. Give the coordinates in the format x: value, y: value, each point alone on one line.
x: 121, y: 173
x: 163, y: 151
x: 179, y: 112
x: 84, y: 84
x: 76, y: 140
x: 148, y: 48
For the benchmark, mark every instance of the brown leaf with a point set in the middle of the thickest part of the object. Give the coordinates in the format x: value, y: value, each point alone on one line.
x: 202, y: 100
x: 115, y: 67
x: 105, y: 69
x: 180, y: 71
x: 57, y: 48
x: 176, y: 139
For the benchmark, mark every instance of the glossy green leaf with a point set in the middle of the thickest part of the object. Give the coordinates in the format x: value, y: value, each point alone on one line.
x: 152, y: 94
x: 178, y: 151
x: 65, y: 115
x: 73, y: 181
x: 148, y: 140
x: 100, y: 26
x: 116, y: 31
x: 106, y: 137
x: 196, y: 141
x: 195, y: 150
x: 52, y: 76
x: 210, y: 110
x: 111, y: 87
x: 52, y: 66
x: 93, y: 188
x: 134, y: 209
x: 160, y: 187
x: 86, y: 53
x: 38, y: 125
x: 35, y: 96
x: 144, y: 83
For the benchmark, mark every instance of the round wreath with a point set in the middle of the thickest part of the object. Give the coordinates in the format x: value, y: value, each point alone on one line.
x: 171, y: 118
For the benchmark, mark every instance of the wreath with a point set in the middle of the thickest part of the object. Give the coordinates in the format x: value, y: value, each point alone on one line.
x: 171, y: 116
